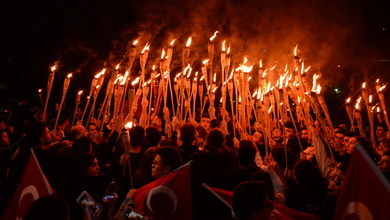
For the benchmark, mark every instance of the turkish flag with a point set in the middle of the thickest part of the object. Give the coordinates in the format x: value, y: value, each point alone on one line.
x: 365, y: 193
x: 280, y: 212
x: 32, y: 186
x: 168, y: 197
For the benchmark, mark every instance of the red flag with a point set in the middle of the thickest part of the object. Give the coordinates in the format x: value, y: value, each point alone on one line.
x: 365, y: 193
x: 280, y: 212
x: 168, y: 197
x: 32, y: 186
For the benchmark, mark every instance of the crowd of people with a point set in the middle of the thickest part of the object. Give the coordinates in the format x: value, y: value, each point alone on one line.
x: 296, y: 167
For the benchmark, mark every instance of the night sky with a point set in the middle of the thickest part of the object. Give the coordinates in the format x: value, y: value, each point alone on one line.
x: 346, y: 41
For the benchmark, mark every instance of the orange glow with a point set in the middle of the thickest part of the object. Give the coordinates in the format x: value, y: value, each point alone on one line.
x: 215, y: 89
x: 117, y: 66
x: 205, y: 61
x: 370, y: 99
x: 101, y: 73
x: 69, y: 75
x: 53, y: 68
x: 286, y: 68
x: 172, y: 42
x: 364, y: 85
x: 162, y: 54
x: 215, y: 77
x: 124, y: 78
x: 270, y: 109
x: 382, y: 88
x: 295, y: 50
x: 187, y: 70
x: 118, y: 78
x: 249, y: 78
x: 318, y: 89
x: 223, y: 46
x: 154, y: 67
x: 80, y: 92
x: 145, y: 48
x: 189, y: 42
x: 39, y: 90
x: 135, y: 81
x: 254, y: 94
x: 228, y: 50
x: 245, y: 60
x: 98, y: 86
x: 357, y: 106
x: 215, y: 34
x: 307, y: 69
x: 273, y: 68
x: 135, y: 42
x: 264, y: 73
x: 201, y: 78
x: 129, y: 125
x: 315, y: 77
x: 378, y: 109
x: 260, y: 64
x: 348, y: 100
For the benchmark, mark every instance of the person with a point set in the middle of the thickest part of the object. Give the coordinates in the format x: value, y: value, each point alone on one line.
x: 246, y: 163
x: 380, y: 132
x: 384, y: 163
x: 258, y: 138
x: 187, y: 139
x: 203, y: 127
x: 310, y: 193
x: 250, y: 201
x: 51, y: 207
x: 61, y: 131
x: 143, y: 175
x: 305, y: 134
x: 153, y: 136
x: 4, y: 139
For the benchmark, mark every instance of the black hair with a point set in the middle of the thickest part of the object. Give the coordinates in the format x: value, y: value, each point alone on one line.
x: 246, y: 152
x: 169, y: 156
x: 153, y: 135
x: 82, y: 144
x: 137, y: 135
x: 187, y: 133
x: 248, y: 197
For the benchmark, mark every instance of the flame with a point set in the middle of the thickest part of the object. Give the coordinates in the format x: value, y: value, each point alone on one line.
x: 215, y: 77
x: 249, y: 78
x: 299, y: 99
x: 215, y: 89
x: 382, y: 88
x: 145, y: 48
x: 273, y: 67
x: 162, y: 54
x: 154, y: 67
x: 245, y: 60
x: 231, y: 75
x: 196, y: 73
x: 53, y: 68
x: 157, y: 75
x: 239, y: 99
x: 318, y: 89
x: 125, y: 78
x: 228, y: 50
x: 286, y: 67
x: 172, y: 42
x: 359, y: 99
x: 220, y: 100
x: 348, y: 100
x: 378, y: 109
x: 205, y: 61
x: 80, y: 92
x: 195, y: 79
x: 302, y: 67
x: 118, y: 78
x: 135, y: 42
x: 254, y: 94
x: 295, y: 50
x: 88, y: 97
x: 39, y: 90
x: 268, y: 87
x: 370, y: 99
x: 117, y: 66
x: 364, y: 85
x: 259, y: 93
x: 377, y: 81
x: 264, y: 73
x: 187, y: 70
x: 69, y: 75
x: 270, y: 108
x: 201, y: 78
x: 260, y: 64
x: 215, y: 34
x: 307, y: 69
x: 135, y: 81
x: 189, y: 42
x: 98, y: 86
x: 223, y: 46
x: 101, y: 73
x: 315, y: 77
x: 357, y: 106
x: 129, y: 125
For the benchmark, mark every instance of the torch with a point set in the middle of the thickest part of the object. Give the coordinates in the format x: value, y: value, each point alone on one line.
x: 77, y: 105
x: 49, y: 85
x: 64, y: 90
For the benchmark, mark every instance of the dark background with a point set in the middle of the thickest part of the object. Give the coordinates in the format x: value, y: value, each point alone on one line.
x: 346, y: 42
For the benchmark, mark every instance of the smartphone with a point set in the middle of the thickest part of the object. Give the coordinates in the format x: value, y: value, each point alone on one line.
x: 110, y: 197
x: 131, y: 213
x: 85, y: 200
